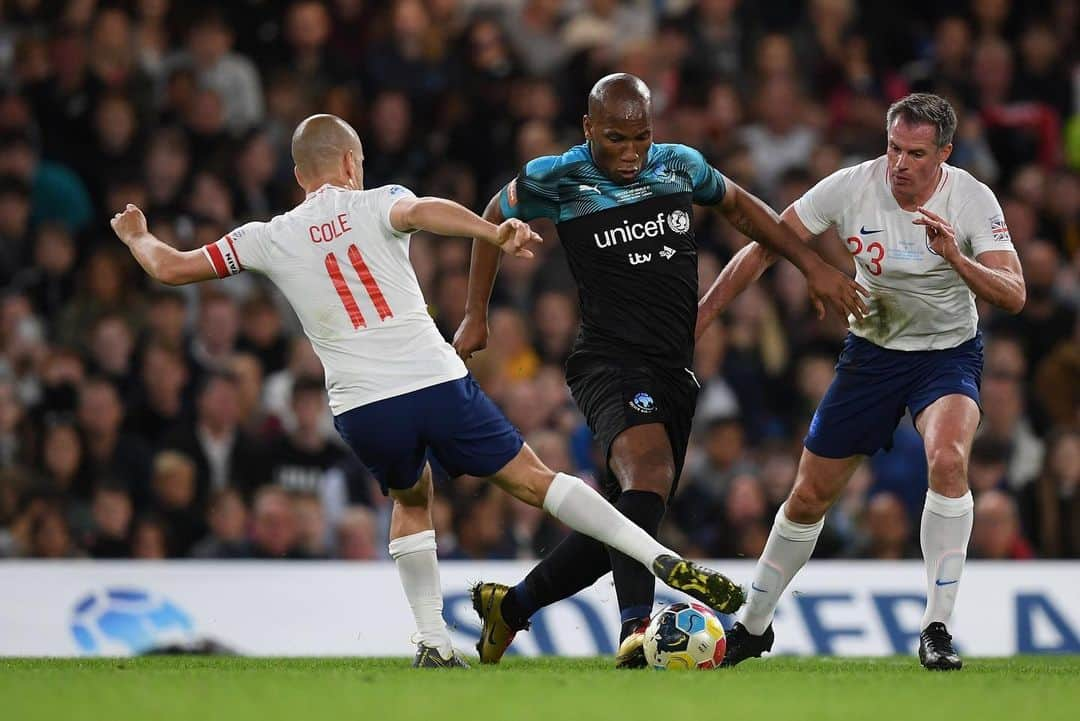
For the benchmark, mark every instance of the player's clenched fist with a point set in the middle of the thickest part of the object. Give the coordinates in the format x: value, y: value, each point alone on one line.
x: 514, y: 235
x: 128, y: 223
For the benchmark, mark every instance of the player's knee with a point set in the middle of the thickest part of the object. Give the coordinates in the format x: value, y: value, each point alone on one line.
x: 808, y: 502
x: 948, y: 470
x: 652, y: 472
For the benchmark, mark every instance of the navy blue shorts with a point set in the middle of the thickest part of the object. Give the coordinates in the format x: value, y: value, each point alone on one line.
x: 455, y: 420
x: 874, y: 385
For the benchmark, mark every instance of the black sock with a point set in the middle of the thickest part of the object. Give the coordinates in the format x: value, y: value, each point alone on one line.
x: 635, y: 585
x: 573, y: 565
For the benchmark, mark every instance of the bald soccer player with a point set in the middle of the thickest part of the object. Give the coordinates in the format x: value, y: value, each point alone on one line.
x: 623, y: 208
x: 396, y: 388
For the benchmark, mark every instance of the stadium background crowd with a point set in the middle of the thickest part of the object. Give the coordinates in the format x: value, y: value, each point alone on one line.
x: 148, y: 422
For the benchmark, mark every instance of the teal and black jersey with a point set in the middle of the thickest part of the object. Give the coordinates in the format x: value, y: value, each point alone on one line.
x: 630, y: 247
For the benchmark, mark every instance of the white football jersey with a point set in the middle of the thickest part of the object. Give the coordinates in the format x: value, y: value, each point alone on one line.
x: 918, y: 301
x: 346, y: 273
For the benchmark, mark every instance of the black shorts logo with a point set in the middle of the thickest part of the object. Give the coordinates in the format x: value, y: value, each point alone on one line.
x: 643, y: 403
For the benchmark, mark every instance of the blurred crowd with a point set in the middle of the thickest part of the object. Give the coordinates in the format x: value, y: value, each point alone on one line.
x: 151, y: 422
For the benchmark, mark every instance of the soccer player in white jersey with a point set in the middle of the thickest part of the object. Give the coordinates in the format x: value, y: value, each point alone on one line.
x: 927, y: 239
x: 396, y: 388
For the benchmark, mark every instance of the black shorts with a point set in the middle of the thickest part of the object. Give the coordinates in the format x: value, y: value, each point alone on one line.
x: 615, y: 395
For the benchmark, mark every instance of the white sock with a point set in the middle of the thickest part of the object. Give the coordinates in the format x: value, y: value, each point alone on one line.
x: 944, y: 535
x: 789, y: 547
x: 577, y: 505
x: 419, y: 571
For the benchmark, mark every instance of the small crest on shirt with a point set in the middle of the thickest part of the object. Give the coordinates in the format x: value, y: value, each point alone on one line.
x: 999, y: 230
x: 511, y: 193
x: 396, y: 190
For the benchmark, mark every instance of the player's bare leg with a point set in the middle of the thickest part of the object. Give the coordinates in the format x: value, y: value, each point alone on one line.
x: 818, y: 483
x: 577, y: 505
x: 948, y: 428
x: 412, y: 546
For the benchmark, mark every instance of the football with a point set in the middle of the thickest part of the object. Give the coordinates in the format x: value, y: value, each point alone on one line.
x: 684, y: 636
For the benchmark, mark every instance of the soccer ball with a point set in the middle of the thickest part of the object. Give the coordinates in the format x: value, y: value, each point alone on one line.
x: 127, y: 621
x: 684, y: 636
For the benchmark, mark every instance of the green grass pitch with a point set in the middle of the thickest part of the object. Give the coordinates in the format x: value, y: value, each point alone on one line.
x: 789, y: 689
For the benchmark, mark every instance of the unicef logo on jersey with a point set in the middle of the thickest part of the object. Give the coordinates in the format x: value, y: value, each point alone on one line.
x: 678, y: 221
x: 127, y: 621
x: 643, y: 403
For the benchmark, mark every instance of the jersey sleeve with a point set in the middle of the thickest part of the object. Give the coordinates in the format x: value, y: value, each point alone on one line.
x: 822, y: 205
x: 534, y: 193
x: 246, y: 248
x: 709, y: 186
x: 981, y: 224
x: 385, y: 198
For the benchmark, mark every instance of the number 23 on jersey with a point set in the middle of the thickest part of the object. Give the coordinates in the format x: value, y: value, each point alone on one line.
x: 875, y: 253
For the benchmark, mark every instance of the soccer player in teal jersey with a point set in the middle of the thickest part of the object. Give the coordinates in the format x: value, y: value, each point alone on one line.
x: 623, y: 207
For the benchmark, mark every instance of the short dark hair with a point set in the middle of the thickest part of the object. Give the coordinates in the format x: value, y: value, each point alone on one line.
x: 925, y: 108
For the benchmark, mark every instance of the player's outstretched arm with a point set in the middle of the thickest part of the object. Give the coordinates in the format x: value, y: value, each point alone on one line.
x: 445, y: 217
x: 472, y: 334
x: 994, y: 276
x: 161, y: 261
x: 827, y: 285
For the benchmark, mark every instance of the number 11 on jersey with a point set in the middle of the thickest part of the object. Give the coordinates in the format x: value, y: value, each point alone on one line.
x: 333, y: 268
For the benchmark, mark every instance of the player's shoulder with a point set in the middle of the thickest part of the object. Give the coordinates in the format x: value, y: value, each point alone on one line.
x: 668, y: 152
x: 875, y: 168
x: 965, y: 186
x: 550, y: 168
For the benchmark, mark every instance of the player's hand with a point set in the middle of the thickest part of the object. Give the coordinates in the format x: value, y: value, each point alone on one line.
x: 940, y: 235
x: 471, y: 336
x: 514, y: 235
x: 128, y: 223
x: 829, y: 287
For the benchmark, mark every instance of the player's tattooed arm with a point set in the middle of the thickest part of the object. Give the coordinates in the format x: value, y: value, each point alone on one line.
x: 994, y: 276
x: 472, y: 334
x: 161, y: 261
x: 772, y: 237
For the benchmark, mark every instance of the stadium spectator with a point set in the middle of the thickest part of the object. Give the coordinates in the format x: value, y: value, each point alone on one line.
x: 172, y: 489
x: 111, y: 452
x: 57, y: 193
x: 159, y: 405
x: 1004, y: 420
x: 224, y: 455
x: 150, y: 538
x: 232, y: 77
x: 50, y: 536
x: 300, y: 460
x: 355, y: 535
x: 111, y: 515
x: 996, y: 533
x: 62, y: 462
x: 274, y: 532
x: 14, y: 225
x: 227, y: 518
x: 1052, y: 503
x: 313, y: 534
x: 886, y: 530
